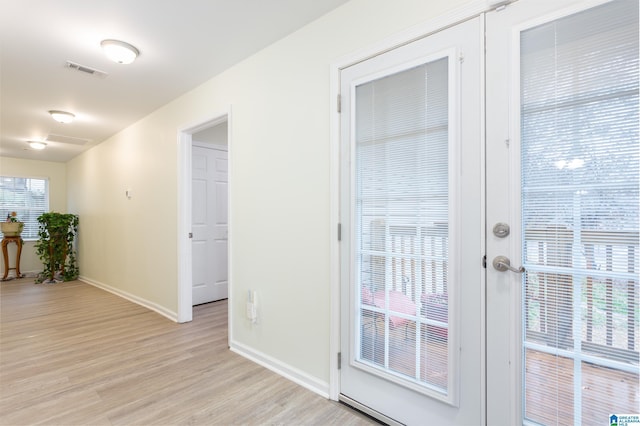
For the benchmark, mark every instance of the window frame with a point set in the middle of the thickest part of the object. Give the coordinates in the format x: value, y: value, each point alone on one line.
x: 30, y: 223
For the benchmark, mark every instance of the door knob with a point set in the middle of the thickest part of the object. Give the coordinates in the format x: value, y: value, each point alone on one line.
x: 501, y: 230
x: 502, y: 263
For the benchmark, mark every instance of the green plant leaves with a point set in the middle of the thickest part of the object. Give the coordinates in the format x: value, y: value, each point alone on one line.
x: 55, y: 247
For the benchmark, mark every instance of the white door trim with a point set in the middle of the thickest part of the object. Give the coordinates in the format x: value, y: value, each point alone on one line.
x: 207, y: 145
x: 468, y: 11
x: 185, y: 308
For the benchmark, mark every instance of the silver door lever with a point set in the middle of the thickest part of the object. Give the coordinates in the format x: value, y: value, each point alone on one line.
x: 502, y: 263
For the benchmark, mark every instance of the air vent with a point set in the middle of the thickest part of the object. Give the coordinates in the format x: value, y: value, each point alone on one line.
x: 67, y: 139
x: 85, y: 69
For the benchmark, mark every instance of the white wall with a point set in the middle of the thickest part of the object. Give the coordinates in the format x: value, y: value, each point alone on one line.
x: 56, y: 173
x: 279, y: 182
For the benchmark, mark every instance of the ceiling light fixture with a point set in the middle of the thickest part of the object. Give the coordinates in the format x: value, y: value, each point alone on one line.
x: 62, y: 116
x: 37, y: 145
x: 119, y: 51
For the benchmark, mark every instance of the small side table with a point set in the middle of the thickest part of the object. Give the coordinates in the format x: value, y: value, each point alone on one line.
x: 5, y: 255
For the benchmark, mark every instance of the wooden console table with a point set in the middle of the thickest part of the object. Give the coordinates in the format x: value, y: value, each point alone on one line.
x: 5, y: 254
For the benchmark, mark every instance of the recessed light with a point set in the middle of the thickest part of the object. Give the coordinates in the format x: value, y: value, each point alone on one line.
x: 37, y: 145
x: 119, y: 51
x: 62, y: 116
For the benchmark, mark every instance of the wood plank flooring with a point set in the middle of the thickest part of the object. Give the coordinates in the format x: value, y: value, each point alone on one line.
x: 72, y: 354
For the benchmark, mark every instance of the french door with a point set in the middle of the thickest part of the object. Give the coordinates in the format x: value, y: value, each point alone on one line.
x: 540, y: 177
x: 412, y: 277
x: 562, y: 202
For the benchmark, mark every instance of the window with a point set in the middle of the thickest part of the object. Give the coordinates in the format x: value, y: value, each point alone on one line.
x: 28, y: 197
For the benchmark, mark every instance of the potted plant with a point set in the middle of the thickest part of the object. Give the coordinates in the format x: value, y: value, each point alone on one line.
x: 12, y: 227
x: 56, y: 246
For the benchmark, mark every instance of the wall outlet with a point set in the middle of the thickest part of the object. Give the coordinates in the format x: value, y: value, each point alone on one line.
x: 251, y: 311
x: 252, y: 306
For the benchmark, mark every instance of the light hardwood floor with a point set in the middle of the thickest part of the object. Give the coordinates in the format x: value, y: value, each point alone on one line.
x: 72, y: 354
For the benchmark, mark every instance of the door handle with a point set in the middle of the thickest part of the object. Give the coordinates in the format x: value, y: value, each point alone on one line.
x: 502, y: 263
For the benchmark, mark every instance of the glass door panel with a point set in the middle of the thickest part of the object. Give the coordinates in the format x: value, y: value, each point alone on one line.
x: 580, y: 182
x: 401, y: 220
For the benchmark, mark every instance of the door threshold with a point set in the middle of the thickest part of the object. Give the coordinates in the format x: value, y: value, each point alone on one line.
x: 368, y: 411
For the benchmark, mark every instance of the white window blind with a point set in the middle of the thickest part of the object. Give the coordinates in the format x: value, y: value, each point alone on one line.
x: 401, y: 224
x: 28, y: 197
x: 580, y: 198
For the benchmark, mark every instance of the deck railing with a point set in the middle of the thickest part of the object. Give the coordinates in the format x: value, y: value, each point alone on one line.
x: 578, y: 285
x: 590, y: 277
x: 409, y: 259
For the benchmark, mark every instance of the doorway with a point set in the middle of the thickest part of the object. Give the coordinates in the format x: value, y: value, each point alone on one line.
x: 186, y: 137
x: 209, y: 224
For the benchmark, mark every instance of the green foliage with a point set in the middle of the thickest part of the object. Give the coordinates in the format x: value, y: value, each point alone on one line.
x: 55, y: 247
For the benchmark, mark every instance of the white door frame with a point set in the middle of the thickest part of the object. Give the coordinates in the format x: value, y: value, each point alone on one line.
x: 419, y: 31
x: 185, y: 308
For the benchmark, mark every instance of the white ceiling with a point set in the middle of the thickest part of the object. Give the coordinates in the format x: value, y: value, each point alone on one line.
x: 182, y: 44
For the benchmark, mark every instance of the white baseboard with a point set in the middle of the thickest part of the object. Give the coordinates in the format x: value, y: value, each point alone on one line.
x: 285, y: 370
x: 295, y: 375
x: 173, y: 316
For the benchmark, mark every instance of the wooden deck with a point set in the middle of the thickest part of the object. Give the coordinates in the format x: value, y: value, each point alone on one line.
x: 432, y: 370
x: 604, y: 391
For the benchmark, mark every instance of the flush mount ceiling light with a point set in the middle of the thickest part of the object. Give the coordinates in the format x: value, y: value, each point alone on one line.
x: 62, y: 116
x: 37, y: 145
x: 119, y: 51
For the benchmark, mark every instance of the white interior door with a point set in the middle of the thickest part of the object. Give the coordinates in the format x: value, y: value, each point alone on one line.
x: 209, y: 224
x: 562, y: 172
x: 411, y: 211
